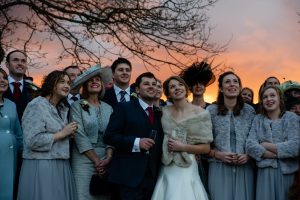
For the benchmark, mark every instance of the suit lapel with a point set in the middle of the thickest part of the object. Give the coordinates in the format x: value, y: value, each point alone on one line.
x: 112, y: 96
x: 8, y: 94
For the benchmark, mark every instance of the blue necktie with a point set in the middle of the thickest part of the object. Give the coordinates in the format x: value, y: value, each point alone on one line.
x: 122, y: 93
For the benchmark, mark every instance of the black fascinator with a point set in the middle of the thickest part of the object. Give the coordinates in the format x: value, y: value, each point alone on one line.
x: 198, y: 72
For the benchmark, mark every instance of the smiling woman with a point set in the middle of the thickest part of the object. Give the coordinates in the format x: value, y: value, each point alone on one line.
x: 273, y: 142
x: 230, y: 172
x: 89, y: 153
x: 46, y: 143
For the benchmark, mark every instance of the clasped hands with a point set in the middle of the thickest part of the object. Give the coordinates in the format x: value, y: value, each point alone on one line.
x: 101, y: 165
x: 232, y: 158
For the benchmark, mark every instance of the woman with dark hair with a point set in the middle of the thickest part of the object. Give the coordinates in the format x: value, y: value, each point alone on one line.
x: 46, y: 172
x: 198, y: 76
x: 10, y: 140
x: 274, y: 143
x: 230, y: 172
x: 188, y: 131
x: 272, y: 80
x: 89, y: 154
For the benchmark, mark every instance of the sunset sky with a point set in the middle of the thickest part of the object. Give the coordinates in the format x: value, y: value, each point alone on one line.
x: 264, y: 40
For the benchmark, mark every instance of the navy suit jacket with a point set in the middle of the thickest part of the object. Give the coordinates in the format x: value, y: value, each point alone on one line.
x: 128, y: 122
x: 26, y: 96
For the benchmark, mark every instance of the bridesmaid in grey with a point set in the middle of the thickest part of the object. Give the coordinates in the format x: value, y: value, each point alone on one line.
x: 274, y: 143
x: 10, y: 140
x: 230, y: 172
x: 89, y: 154
x: 46, y: 172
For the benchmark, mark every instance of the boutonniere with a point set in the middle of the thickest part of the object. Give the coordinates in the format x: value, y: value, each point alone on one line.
x: 133, y: 96
x: 85, y: 105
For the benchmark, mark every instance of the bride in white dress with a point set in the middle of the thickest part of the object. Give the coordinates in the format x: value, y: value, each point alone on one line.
x: 188, y: 131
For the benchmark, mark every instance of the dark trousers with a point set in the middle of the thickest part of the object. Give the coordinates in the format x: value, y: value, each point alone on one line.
x: 141, y: 192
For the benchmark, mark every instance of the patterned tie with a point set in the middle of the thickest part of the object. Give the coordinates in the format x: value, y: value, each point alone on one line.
x: 17, y: 91
x: 151, y: 115
x: 122, y: 93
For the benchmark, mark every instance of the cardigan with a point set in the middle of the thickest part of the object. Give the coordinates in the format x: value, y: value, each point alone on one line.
x: 40, y: 121
x: 284, y: 132
x: 221, y: 128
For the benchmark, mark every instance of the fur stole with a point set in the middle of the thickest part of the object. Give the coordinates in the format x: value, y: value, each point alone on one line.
x: 196, y: 129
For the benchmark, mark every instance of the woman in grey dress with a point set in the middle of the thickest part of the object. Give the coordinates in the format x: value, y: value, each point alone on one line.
x: 46, y: 172
x: 89, y: 154
x: 10, y: 140
x: 274, y: 143
x: 230, y: 172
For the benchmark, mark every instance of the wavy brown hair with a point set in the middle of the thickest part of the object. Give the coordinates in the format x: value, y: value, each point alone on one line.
x: 50, y: 81
x: 2, y: 71
x: 222, y: 110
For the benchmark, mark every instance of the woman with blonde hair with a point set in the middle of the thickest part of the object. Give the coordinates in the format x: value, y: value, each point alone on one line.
x: 274, y: 143
x: 188, y: 132
x: 89, y: 154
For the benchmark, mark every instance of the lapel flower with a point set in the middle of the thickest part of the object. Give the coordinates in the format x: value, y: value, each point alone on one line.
x: 85, y: 105
x: 133, y: 96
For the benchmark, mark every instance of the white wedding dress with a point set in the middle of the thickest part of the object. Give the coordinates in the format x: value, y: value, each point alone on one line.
x: 178, y: 183
x: 174, y: 182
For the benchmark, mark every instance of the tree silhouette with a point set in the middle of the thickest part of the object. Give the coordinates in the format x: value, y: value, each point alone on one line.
x: 90, y: 31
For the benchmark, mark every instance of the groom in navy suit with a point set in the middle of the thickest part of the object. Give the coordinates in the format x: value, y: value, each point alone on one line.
x: 135, y: 131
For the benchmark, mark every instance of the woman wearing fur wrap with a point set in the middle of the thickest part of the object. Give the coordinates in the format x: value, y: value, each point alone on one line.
x: 188, y: 131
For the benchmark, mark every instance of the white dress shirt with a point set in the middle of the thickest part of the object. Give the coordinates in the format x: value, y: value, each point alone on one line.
x: 118, y: 95
x: 11, y: 84
x: 136, y: 145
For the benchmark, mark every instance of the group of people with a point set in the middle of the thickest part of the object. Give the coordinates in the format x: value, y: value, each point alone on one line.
x: 52, y: 141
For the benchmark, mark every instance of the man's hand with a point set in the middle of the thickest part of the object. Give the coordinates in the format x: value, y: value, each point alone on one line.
x: 146, y: 143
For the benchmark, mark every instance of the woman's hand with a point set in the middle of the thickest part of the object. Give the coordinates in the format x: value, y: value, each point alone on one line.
x: 101, y: 166
x: 70, y: 129
x: 227, y: 157
x: 175, y: 145
x: 242, y: 159
x: 269, y: 147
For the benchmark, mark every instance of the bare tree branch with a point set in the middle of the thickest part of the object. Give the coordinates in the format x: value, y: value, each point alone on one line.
x: 89, y: 31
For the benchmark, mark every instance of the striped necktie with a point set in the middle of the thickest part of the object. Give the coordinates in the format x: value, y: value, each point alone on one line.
x: 122, y: 98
